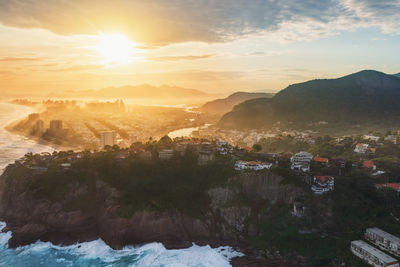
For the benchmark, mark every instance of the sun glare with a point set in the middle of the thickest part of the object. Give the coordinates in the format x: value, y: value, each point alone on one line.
x: 115, y: 48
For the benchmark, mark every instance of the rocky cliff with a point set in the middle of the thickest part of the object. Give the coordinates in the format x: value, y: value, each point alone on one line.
x: 77, y: 218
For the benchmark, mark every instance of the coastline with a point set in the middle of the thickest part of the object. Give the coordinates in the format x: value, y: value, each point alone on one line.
x: 40, y: 141
x: 23, y: 140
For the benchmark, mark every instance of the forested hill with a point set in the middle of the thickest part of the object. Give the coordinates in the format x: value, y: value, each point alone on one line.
x: 364, y: 96
x: 221, y: 106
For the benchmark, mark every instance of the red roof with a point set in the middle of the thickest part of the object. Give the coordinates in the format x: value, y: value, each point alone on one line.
x: 286, y: 155
x: 394, y: 186
x: 323, y: 178
x: 320, y: 159
x: 247, y: 148
x: 368, y: 164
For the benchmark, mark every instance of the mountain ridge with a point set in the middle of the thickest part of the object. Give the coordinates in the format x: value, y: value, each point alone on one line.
x: 144, y: 91
x: 223, y: 105
x: 353, y: 98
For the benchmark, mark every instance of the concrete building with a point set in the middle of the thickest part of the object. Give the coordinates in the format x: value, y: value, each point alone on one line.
x: 299, y: 210
x: 39, y: 126
x: 364, y: 149
x: 323, y: 184
x: 165, y: 154
x: 371, y: 137
x: 301, y: 161
x: 383, y: 240
x: 252, y: 165
x: 33, y: 116
x: 371, y: 255
x: 108, y: 139
x: 302, y: 157
x: 56, y: 125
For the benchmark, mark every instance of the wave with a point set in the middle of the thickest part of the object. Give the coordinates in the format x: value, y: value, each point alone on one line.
x: 98, y: 253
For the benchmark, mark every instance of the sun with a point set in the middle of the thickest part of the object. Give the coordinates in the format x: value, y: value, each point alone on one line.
x: 115, y: 48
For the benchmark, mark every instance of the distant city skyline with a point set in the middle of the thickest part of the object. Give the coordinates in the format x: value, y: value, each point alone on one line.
x: 214, y: 46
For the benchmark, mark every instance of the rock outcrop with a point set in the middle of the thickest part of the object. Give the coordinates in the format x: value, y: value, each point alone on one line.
x: 32, y: 218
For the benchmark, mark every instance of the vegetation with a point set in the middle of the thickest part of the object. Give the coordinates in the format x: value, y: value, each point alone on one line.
x: 179, y: 183
x: 361, y: 98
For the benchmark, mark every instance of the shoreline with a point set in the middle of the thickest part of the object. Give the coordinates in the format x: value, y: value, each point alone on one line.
x: 40, y: 141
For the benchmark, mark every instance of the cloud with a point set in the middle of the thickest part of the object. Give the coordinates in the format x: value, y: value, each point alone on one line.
x: 160, y: 22
x: 18, y: 59
x: 78, y: 68
x: 382, y: 13
x: 177, y: 58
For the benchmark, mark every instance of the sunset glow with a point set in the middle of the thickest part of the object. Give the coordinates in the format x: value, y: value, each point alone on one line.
x: 115, y: 48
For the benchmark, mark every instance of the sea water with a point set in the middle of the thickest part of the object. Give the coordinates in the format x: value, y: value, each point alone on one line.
x: 93, y: 253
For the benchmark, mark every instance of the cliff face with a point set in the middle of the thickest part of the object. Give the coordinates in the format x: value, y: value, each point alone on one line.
x: 224, y: 223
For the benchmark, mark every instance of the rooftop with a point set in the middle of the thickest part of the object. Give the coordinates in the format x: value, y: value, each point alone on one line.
x: 373, y: 251
x: 384, y: 234
x: 320, y: 159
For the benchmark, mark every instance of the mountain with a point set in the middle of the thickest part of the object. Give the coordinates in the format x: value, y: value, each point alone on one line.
x: 221, y: 106
x: 397, y: 75
x: 143, y: 91
x: 360, y: 97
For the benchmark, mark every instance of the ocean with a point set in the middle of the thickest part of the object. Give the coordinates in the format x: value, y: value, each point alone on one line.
x: 94, y: 253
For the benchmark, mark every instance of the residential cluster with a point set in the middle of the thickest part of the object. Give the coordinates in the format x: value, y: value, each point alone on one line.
x: 373, y: 254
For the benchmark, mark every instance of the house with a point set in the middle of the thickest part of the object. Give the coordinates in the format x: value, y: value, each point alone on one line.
x: 323, y: 184
x: 371, y: 255
x: 394, y: 186
x: 322, y: 161
x: 299, y: 210
x: 371, y: 137
x: 383, y: 240
x: 301, y: 161
x: 369, y: 164
x: 377, y: 173
x: 38, y: 169
x: 340, y: 162
x: 165, y: 154
x: 361, y: 148
x: 286, y: 156
x: 65, y: 166
x: 392, y: 138
x: 252, y: 165
x: 302, y: 157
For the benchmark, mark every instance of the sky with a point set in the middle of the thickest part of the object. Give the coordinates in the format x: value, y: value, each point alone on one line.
x: 217, y: 46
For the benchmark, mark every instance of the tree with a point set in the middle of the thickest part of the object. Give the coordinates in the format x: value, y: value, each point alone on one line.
x: 257, y: 147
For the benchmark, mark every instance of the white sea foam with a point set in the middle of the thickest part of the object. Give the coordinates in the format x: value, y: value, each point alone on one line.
x: 98, y: 253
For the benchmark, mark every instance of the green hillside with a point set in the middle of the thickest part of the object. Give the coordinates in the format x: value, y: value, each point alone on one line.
x: 358, y: 98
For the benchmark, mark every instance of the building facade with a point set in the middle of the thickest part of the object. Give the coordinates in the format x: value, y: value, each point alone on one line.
x: 56, y: 125
x: 371, y: 255
x: 107, y: 139
x: 383, y: 240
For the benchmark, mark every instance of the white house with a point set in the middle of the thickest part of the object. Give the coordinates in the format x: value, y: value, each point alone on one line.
x: 371, y: 137
x: 323, y: 184
x: 302, y: 157
x: 371, y: 255
x: 361, y: 148
x: 252, y: 165
x: 301, y: 161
